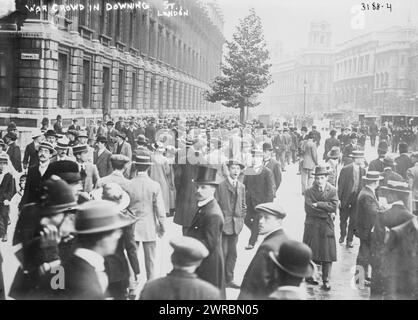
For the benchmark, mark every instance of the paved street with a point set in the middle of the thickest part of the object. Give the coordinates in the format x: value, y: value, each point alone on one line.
x: 290, y: 198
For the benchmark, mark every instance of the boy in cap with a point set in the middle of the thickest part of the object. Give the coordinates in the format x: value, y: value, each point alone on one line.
x: 260, y: 279
x: 182, y: 283
x: 321, y: 202
x: 293, y: 263
x: 231, y: 198
x: 51, y: 136
x: 30, y: 157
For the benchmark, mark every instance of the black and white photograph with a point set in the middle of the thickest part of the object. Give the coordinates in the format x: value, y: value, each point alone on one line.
x: 222, y: 151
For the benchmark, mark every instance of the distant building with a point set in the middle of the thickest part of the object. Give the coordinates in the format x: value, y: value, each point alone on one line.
x: 86, y: 63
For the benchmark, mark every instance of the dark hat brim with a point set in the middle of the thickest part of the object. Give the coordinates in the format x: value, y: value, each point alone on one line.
x: 57, y: 209
x: 320, y: 174
x: 307, y: 272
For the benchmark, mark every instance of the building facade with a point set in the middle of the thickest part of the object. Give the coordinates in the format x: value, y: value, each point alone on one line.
x: 302, y: 84
x: 117, y: 58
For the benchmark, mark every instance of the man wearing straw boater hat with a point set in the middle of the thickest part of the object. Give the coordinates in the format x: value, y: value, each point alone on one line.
x: 321, y: 202
x: 98, y: 226
x: 62, y: 148
x: 182, y: 283
x: 367, y: 209
x: 88, y: 171
x: 30, y: 158
x: 398, y: 195
x: 147, y: 204
x: 207, y: 226
x: 349, y: 186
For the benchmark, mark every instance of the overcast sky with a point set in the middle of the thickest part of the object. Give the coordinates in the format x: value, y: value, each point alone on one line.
x: 289, y: 20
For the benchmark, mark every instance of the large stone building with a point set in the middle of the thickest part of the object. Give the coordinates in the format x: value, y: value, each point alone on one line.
x: 371, y: 72
x: 120, y: 58
x: 303, y: 82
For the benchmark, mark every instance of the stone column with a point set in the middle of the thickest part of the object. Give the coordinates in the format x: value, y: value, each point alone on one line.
x: 75, y: 80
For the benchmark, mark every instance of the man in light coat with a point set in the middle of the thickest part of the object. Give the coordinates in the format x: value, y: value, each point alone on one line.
x: 310, y: 161
x: 88, y: 171
x: 147, y: 204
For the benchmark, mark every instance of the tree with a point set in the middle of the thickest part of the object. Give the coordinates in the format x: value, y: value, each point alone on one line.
x: 245, y: 72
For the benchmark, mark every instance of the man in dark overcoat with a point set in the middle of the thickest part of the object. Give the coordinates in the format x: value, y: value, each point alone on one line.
x: 272, y: 164
x: 30, y: 157
x: 182, y: 283
x: 207, y: 226
x: 231, y: 198
x: 261, y: 278
x: 260, y: 188
x: 321, y: 202
x: 403, y: 162
x: 332, y: 141
x: 349, y: 186
x: 377, y: 164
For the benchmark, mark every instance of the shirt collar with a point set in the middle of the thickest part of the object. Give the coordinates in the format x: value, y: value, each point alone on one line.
x: 231, y: 181
x: 204, y: 202
x: 43, y: 165
x: 93, y: 258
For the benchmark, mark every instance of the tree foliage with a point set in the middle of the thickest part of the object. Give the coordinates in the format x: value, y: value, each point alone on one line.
x: 245, y: 71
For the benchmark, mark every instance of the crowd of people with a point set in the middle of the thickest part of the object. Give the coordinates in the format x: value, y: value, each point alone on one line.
x: 85, y: 199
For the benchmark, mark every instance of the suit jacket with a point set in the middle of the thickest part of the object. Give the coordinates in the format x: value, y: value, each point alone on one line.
x: 147, y: 205
x: 348, y: 149
x: 233, y: 206
x: 329, y: 143
x: 367, y: 210
x: 114, y: 177
x: 345, y: 186
x: 103, y: 164
x: 131, y: 135
x: 33, y: 181
x: 403, y: 163
x: 274, y: 166
x: 388, y: 174
x: 81, y: 281
x: 15, y: 156
x: 126, y: 150
x: 376, y: 165
x: 260, y: 188
x: 310, y: 156
x: 207, y: 226
x: 287, y: 140
x: 261, y: 279
x: 91, y: 177
x: 30, y: 157
x: 279, y: 143
x: 180, y: 285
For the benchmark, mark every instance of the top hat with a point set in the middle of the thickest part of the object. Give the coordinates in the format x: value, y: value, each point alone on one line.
x: 206, y: 175
x: 373, y: 176
x: 66, y: 169
x: 56, y: 196
x: 187, y: 251
x: 320, y: 171
x: 235, y: 162
x: 98, y: 216
x: 11, y: 135
x: 80, y: 149
x: 267, y: 146
x: 47, y: 145
x: 397, y: 186
x: 334, y: 153
x: 36, y: 134
x: 101, y: 139
x: 82, y: 134
x: 295, y: 259
x: 272, y: 208
x: 357, y: 154
x: 110, y: 123
x: 143, y: 159
x: 141, y: 139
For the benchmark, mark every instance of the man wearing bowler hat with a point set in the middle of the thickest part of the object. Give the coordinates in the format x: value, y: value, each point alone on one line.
x: 349, y: 186
x: 98, y: 226
x: 260, y: 279
x: 388, y: 171
x: 51, y: 136
x: 101, y: 157
x: 367, y: 209
x: 30, y: 157
x: 293, y: 263
x: 147, y: 204
x: 321, y: 202
x: 182, y: 283
x: 231, y: 198
x: 88, y: 171
x: 377, y: 164
x: 35, y: 173
x: 207, y: 226
x: 13, y: 150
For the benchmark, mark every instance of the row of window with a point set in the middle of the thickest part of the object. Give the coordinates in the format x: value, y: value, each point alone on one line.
x: 356, y: 65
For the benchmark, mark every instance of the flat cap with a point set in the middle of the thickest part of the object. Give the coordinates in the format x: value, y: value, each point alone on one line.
x: 271, y: 208
x: 188, y: 251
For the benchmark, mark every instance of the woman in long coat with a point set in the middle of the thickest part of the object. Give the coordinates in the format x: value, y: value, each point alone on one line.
x: 320, y: 206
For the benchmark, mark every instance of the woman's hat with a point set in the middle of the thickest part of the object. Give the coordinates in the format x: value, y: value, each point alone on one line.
x: 373, y: 176
x: 334, y: 153
x: 142, y: 159
x: 206, y: 175
x: 47, y: 145
x: 294, y: 258
x: 320, y: 171
x: 56, y: 196
x: 98, y: 216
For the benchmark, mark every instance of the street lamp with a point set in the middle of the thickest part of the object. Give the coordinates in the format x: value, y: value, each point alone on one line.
x: 305, y: 83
